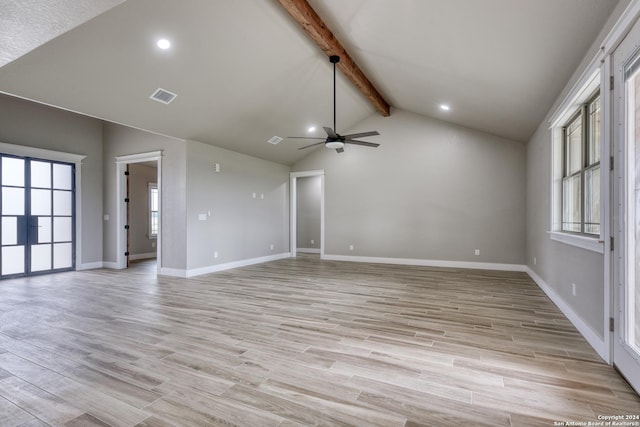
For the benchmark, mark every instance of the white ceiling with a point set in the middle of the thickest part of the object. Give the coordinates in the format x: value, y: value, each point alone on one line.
x: 27, y: 24
x: 244, y: 71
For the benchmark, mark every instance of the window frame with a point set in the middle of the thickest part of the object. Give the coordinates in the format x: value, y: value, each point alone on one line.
x: 151, y: 186
x: 583, y: 113
x: 589, y: 83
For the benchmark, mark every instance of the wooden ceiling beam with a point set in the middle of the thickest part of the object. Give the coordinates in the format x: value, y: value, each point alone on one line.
x: 315, y: 27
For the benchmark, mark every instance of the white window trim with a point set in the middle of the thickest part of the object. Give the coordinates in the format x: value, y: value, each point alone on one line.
x: 583, y: 90
x: 584, y: 242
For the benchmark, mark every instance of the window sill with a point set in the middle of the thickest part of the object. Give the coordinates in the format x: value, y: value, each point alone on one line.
x: 592, y: 244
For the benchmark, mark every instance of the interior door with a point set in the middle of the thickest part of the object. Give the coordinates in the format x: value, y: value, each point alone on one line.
x: 626, y: 208
x: 38, y: 216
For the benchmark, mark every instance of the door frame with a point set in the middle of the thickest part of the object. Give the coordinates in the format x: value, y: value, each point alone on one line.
x: 121, y: 207
x: 624, y: 358
x: 293, y: 204
x: 59, y: 156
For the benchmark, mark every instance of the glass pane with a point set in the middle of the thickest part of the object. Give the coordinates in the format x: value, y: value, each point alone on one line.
x: 633, y: 292
x: 154, y: 223
x: 40, y: 257
x: 592, y: 201
x: 9, y: 230
x: 62, y: 176
x: 44, y: 229
x: 594, y: 136
x: 13, y: 171
x: 62, y: 255
x: 571, y: 214
x: 40, y: 202
x: 12, y: 260
x: 62, y: 230
x: 632, y: 295
x: 573, y: 148
x: 12, y: 201
x: 40, y: 174
x: 62, y: 203
x: 154, y: 199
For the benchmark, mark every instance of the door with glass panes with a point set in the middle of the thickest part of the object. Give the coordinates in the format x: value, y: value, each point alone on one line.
x: 37, y: 205
x: 626, y: 207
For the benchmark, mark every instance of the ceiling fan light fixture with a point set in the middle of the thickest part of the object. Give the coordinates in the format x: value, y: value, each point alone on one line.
x: 334, y: 144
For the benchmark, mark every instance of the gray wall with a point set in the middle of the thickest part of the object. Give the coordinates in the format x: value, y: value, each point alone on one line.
x: 240, y: 227
x: 431, y: 191
x: 558, y: 264
x: 308, y: 193
x: 140, y: 176
x: 34, y: 125
x: 119, y: 141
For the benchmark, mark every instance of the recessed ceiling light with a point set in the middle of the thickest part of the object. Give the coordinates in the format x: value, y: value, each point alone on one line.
x: 164, y: 44
x: 311, y: 129
x: 445, y: 107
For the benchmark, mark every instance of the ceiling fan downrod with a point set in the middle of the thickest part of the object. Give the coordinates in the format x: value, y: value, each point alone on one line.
x: 334, y: 59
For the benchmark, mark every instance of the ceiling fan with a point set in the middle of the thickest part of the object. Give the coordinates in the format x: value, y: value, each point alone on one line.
x: 334, y: 140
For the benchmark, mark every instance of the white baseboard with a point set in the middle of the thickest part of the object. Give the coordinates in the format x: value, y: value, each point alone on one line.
x: 89, y: 266
x: 148, y: 255
x: 221, y: 267
x: 427, y: 262
x: 308, y: 250
x: 583, y: 327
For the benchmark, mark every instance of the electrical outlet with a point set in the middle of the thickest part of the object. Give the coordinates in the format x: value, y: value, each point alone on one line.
x: 271, y: 247
x: 573, y: 289
x: 535, y: 261
x: 477, y: 252
x: 350, y: 247
x: 312, y: 241
x: 215, y: 254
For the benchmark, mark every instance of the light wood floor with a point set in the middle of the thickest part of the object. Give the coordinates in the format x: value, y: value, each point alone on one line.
x: 296, y: 342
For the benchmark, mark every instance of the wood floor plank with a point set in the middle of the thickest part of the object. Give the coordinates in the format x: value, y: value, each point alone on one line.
x: 299, y: 341
x: 11, y: 414
x: 47, y: 407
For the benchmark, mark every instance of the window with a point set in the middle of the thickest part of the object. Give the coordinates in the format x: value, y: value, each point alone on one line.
x: 581, y: 170
x: 153, y: 210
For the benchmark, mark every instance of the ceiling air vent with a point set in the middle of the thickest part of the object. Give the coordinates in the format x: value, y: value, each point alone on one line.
x: 274, y: 140
x: 162, y: 95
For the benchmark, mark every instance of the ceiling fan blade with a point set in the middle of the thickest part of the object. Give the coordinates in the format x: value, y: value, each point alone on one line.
x: 361, y: 135
x: 330, y: 132
x: 304, y: 137
x: 312, y: 145
x: 339, y: 150
x: 356, y: 142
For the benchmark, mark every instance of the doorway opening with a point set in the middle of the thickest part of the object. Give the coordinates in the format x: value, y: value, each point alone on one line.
x: 139, y: 207
x: 307, y: 212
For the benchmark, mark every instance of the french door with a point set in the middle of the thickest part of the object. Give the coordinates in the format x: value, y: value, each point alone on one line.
x: 626, y: 207
x: 37, y: 208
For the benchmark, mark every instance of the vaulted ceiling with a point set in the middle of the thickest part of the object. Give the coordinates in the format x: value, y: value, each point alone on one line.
x: 244, y: 71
